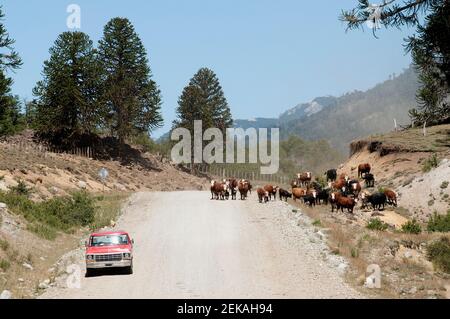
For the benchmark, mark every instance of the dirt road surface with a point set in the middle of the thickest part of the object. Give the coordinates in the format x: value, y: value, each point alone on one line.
x: 188, y: 246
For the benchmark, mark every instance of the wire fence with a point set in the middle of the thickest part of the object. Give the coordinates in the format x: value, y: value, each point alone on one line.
x: 44, y: 150
x: 254, y: 176
x: 215, y: 172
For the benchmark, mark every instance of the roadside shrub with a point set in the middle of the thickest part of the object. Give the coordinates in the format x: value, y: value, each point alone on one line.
x: 354, y: 252
x: 4, y: 245
x: 4, y: 264
x: 20, y: 189
x: 317, y: 223
x: 439, y: 223
x: 444, y: 185
x: 59, y: 213
x: 377, y: 224
x: 411, y: 227
x: 438, y: 253
x: 430, y: 163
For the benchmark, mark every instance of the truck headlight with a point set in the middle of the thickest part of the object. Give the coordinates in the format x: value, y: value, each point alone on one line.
x: 127, y: 256
x: 90, y: 257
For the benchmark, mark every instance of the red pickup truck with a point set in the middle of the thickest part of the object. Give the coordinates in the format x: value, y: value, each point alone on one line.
x: 109, y: 250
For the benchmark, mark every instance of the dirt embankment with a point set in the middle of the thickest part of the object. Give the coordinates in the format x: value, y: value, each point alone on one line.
x: 51, y: 174
x: 398, y: 160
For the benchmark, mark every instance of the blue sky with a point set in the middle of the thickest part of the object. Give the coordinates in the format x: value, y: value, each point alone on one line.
x: 268, y: 55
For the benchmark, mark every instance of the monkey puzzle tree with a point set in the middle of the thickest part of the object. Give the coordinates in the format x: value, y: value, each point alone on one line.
x: 203, y: 99
x: 430, y: 47
x: 67, y: 98
x: 132, y: 98
x: 10, y: 117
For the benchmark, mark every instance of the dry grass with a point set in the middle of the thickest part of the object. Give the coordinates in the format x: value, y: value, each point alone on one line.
x: 411, y: 140
x: 362, y: 247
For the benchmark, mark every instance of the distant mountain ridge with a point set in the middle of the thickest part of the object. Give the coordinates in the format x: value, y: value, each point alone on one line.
x: 340, y: 120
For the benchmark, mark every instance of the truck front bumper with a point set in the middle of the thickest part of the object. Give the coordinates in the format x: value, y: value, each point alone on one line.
x: 108, y: 264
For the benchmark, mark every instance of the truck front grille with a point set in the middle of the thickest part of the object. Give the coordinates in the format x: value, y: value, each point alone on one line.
x: 109, y: 257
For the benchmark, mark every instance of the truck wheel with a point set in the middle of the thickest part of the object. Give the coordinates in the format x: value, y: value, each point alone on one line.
x: 89, y: 272
x: 129, y: 270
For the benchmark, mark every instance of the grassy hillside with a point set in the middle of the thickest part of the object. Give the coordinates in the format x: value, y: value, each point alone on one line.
x: 437, y: 139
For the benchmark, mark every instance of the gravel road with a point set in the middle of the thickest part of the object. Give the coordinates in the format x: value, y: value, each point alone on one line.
x: 188, y: 246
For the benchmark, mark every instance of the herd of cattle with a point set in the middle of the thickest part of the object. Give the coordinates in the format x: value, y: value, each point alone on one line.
x: 342, y: 192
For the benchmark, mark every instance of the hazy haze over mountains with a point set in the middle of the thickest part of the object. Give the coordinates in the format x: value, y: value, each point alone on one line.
x: 339, y: 120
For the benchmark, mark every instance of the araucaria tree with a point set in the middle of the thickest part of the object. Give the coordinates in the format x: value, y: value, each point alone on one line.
x: 10, y: 117
x: 430, y: 48
x: 67, y: 98
x: 203, y: 99
x: 131, y: 97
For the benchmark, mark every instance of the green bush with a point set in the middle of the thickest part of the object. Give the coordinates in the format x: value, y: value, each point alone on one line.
x: 4, y: 245
x: 438, y: 253
x: 20, y: 189
x: 317, y: 223
x: 377, y: 224
x: 444, y: 185
x: 439, y: 223
x: 4, y: 264
x: 430, y: 163
x: 412, y: 227
x: 59, y: 213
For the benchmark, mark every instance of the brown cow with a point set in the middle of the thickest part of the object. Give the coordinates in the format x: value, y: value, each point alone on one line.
x: 391, y: 197
x: 263, y: 195
x: 298, y: 193
x: 272, y: 190
x: 233, y: 187
x: 218, y: 190
x: 355, y: 188
x: 243, y: 188
x: 363, y: 169
x: 250, y: 187
x: 304, y: 178
x: 341, y: 202
x: 333, y: 200
x: 338, y: 185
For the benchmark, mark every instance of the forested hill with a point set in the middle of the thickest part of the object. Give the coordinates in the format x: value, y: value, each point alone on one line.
x: 339, y: 120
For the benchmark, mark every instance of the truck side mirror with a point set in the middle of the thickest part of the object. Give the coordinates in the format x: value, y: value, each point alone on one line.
x: 132, y: 241
x: 85, y: 243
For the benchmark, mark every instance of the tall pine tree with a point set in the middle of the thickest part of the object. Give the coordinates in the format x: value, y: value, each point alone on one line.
x: 67, y: 104
x: 10, y: 117
x: 203, y: 99
x: 132, y: 98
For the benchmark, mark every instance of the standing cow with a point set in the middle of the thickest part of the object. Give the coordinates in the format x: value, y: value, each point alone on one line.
x: 272, y: 190
x: 363, y: 169
x: 331, y: 175
x: 304, y: 178
x: 243, y: 188
x: 218, y: 190
x: 263, y: 195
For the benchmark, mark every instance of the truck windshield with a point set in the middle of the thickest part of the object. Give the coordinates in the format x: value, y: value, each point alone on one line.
x: 109, y: 240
